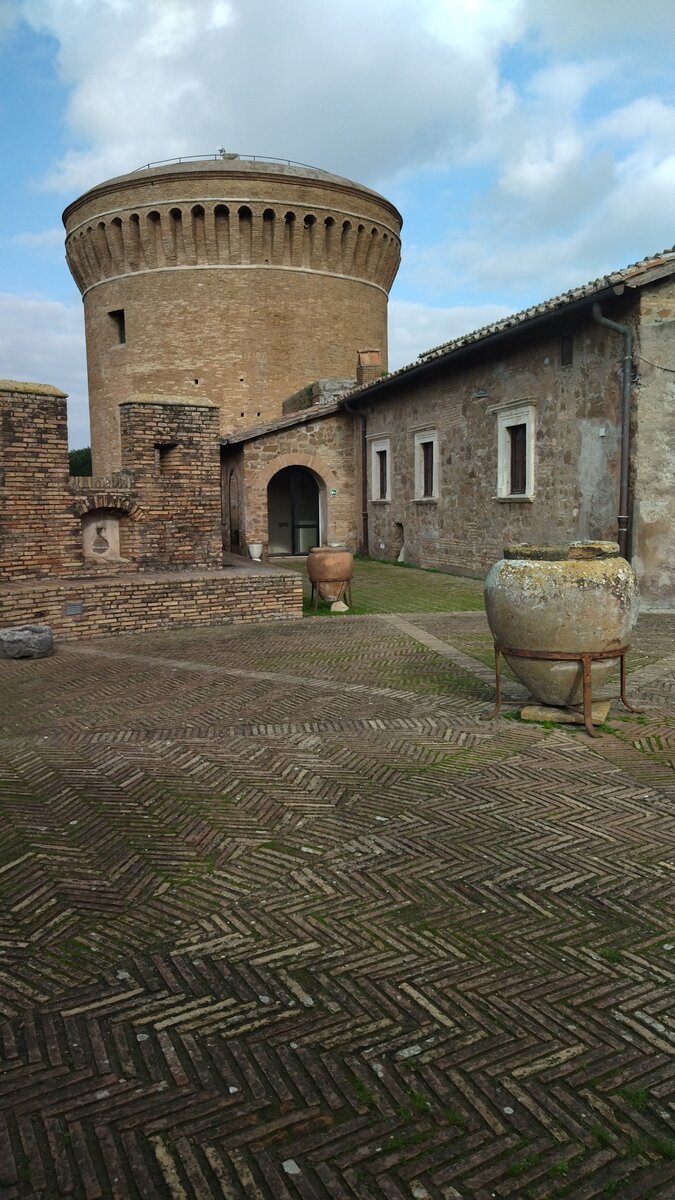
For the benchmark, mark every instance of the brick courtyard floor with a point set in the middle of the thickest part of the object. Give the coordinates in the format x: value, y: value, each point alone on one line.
x: 282, y: 917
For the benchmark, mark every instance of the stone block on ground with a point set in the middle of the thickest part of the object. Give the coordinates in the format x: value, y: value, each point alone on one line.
x: 26, y: 641
x: 566, y: 716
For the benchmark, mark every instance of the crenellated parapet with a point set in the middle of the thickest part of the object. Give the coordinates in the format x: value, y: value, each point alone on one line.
x: 241, y: 280
x: 155, y: 237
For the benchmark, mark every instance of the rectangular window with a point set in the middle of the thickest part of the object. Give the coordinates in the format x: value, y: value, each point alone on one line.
x: 117, y: 318
x: 426, y: 465
x: 515, y: 449
x: 566, y: 350
x: 380, y: 469
x: 382, y: 474
x: 518, y: 447
x: 427, y: 469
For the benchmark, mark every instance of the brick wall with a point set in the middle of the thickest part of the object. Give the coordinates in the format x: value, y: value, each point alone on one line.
x: 240, y: 281
x: 39, y: 532
x: 325, y: 446
x: 170, y: 447
x: 87, y: 608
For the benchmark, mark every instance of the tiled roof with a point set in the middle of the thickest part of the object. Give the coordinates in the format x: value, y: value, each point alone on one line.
x: 638, y: 274
x: 307, y: 415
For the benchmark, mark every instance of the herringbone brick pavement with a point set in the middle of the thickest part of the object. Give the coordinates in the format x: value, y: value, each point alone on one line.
x: 283, y: 916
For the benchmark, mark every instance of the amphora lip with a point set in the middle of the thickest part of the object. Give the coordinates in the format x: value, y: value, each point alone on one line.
x: 562, y: 551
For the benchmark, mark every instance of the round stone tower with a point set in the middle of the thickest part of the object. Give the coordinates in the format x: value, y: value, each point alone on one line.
x: 234, y: 279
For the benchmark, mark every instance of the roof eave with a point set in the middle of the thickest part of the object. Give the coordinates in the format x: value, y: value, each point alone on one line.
x: 457, y: 353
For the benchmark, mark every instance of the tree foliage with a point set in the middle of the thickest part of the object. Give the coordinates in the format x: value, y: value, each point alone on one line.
x: 79, y: 461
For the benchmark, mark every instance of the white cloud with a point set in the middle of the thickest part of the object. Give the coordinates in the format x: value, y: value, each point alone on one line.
x: 475, y: 26
x: 43, y: 238
x: 42, y: 341
x: 9, y: 15
x: 570, y: 137
x: 357, y: 86
x: 415, y: 327
x: 582, y: 25
x: 648, y: 122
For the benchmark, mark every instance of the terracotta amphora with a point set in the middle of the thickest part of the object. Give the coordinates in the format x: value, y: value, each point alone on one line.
x: 330, y: 569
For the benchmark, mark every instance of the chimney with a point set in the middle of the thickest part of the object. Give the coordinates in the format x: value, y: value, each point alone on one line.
x: 368, y: 366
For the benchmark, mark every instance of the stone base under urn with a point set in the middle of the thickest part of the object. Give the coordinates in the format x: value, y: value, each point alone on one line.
x: 566, y: 716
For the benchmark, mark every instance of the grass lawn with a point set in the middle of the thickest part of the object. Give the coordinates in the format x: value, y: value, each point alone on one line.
x: 379, y: 587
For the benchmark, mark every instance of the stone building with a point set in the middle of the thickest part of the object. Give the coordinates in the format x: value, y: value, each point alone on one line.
x: 236, y: 332
x: 517, y: 432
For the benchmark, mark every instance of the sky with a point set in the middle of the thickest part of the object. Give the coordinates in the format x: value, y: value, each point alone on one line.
x: 529, y: 144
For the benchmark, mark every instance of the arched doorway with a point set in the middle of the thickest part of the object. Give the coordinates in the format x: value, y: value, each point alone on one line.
x: 293, y: 511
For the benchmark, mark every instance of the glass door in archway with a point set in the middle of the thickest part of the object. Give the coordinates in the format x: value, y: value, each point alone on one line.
x: 293, y: 511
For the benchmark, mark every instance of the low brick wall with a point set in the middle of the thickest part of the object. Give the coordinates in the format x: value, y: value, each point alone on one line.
x: 88, y: 607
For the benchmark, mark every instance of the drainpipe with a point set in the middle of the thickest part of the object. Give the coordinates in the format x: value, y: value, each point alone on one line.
x: 627, y: 364
x: 364, y: 473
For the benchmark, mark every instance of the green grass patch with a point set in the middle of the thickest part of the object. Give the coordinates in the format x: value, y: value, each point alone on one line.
x: 419, y: 1103
x: 602, y: 1136
x: 380, y: 587
x: 637, y: 1098
x: 362, y: 1093
x: 454, y: 1117
x: 401, y: 1140
x: 521, y: 1165
x: 610, y: 954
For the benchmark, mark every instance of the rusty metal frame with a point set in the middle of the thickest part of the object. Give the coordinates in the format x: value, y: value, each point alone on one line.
x: 344, y: 594
x: 585, y: 657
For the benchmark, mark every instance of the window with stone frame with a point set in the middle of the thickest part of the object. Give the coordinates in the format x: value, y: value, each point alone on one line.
x: 426, y: 464
x: 515, y: 449
x: 380, y: 469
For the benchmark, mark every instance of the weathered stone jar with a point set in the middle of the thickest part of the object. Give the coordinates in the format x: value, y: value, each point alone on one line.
x: 573, y: 598
x: 330, y: 570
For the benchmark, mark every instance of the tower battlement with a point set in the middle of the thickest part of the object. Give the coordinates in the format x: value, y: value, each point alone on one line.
x: 247, y: 279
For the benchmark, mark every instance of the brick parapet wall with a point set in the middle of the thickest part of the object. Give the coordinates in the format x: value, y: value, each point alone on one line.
x: 171, y: 450
x: 39, y: 531
x: 88, y: 608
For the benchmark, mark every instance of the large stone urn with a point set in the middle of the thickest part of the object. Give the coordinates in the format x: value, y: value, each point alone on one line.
x: 568, y: 599
x: 330, y: 570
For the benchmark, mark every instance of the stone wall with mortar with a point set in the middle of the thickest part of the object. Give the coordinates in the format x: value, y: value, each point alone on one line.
x: 87, y: 608
x: 654, y: 448
x: 170, y: 448
x: 576, y: 454
x: 326, y: 445
x: 243, y: 281
x: 39, y: 531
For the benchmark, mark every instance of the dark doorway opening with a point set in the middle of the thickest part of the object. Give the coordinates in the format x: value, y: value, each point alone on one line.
x: 293, y: 511
x: 233, y: 499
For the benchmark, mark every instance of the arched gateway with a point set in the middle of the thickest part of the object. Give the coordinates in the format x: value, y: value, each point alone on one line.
x: 293, y: 508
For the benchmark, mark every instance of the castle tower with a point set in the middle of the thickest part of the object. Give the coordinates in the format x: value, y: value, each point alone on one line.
x: 238, y: 280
